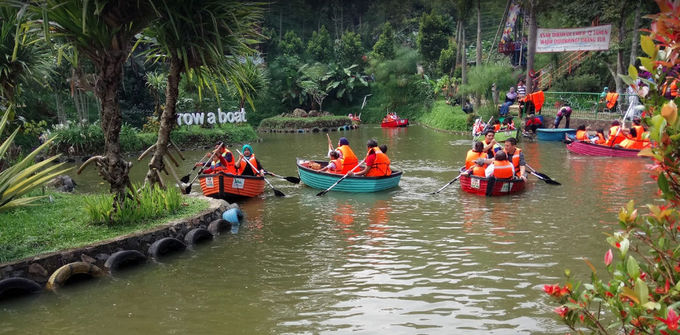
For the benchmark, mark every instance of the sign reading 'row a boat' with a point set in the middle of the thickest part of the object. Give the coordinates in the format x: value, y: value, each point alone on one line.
x: 211, y: 118
x: 573, y: 39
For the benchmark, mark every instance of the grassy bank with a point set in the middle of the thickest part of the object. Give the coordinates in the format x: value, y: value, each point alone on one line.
x: 279, y: 122
x: 447, y: 117
x: 61, y: 223
x: 89, y: 139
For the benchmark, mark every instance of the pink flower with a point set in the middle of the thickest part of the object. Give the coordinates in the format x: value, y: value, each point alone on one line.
x: 562, y: 311
x: 608, y: 257
x: 671, y: 320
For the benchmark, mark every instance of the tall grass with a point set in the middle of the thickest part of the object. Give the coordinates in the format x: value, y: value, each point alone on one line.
x: 149, y: 202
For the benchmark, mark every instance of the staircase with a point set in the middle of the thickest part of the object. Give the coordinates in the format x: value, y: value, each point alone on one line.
x: 548, y: 74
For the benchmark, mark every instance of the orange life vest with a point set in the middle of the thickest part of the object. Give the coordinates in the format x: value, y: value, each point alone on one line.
x: 615, y: 135
x: 502, y: 169
x: 472, y: 157
x: 252, y: 160
x: 582, y: 135
x: 231, y: 166
x: 515, y: 160
x: 381, y: 165
x: 537, y: 98
x: 338, y: 166
x: 349, y: 159
x: 639, y: 130
x: 611, y: 98
x: 600, y: 139
x: 496, y: 127
x: 479, y: 171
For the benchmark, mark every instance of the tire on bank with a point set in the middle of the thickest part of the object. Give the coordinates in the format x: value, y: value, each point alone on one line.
x: 166, y: 246
x: 197, y: 236
x: 218, y: 226
x: 124, y: 259
x: 72, y: 272
x: 17, y: 287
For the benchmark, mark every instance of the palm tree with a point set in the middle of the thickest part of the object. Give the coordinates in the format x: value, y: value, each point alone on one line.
x: 103, y: 32
x: 21, y: 60
x: 206, y: 39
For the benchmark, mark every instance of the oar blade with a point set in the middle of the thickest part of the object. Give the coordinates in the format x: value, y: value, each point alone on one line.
x: 185, y: 179
x: 187, y: 190
x: 321, y: 193
x: 294, y: 180
x: 278, y: 193
x: 552, y: 182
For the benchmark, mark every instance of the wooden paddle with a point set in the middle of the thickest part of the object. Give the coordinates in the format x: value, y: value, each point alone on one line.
x: 341, y: 179
x: 276, y: 192
x: 451, y: 182
x: 294, y: 180
x: 542, y: 176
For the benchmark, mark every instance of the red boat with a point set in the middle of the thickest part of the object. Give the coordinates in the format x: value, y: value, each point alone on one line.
x: 227, y: 186
x: 590, y: 149
x: 395, y: 123
x: 490, y: 186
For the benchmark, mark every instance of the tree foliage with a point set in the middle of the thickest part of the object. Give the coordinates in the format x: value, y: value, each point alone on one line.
x: 350, y: 50
x: 433, y: 35
x: 320, y: 47
x: 291, y: 44
x: 384, y: 47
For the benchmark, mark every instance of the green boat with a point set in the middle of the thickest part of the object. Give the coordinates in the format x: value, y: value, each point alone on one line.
x: 359, y: 184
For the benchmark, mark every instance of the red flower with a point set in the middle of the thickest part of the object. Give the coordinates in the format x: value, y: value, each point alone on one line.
x: 555, y: 290
x: 618, y: 245
x: 643, y: 275
x: 671, y: 320
x: 562, y: 311
x: 609, y: 294
x: 608, y: 257
x: 663, y: 290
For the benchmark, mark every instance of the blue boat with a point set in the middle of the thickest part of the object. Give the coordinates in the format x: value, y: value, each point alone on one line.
x: 556, y: 134
x: 359, y: 184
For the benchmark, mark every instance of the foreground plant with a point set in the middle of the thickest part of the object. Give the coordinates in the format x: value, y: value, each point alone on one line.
x: 640, y: 291
x: 26, y: 175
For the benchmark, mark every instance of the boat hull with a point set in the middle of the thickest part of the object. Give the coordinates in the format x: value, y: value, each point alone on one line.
x: 323, y: 180
x: 590, y: 149
x: 226, y: 186
x: 490, y: 186
x: 395, y: 123
x: 558, y: 134
x: 501, y: 136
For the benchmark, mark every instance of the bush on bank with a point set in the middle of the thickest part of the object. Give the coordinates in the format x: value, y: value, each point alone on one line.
x: 89, y: 139
x: 447, y: 117
x: 53, y: 224
x: 279, y: 122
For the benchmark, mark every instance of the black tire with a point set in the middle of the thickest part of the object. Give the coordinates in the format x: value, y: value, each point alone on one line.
x: 218, y: 226
x: 166, y: 246
x: 197, y: 236
x: 124, y: 259
x: 17, y: 287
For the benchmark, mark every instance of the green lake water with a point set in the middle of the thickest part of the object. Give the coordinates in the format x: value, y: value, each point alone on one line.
x: 395, y: 262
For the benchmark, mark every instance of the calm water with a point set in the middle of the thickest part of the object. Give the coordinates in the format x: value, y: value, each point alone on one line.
x: 397, y: 262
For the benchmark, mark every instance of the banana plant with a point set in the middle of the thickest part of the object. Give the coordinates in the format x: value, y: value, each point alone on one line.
x: 24, y: 176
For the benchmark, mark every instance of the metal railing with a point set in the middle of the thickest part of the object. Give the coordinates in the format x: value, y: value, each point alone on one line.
x: 585, y: 105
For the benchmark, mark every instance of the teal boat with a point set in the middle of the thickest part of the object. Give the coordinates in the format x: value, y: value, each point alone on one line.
x: 501, y: 136
x: 323, y: 180
x: 550, y: 134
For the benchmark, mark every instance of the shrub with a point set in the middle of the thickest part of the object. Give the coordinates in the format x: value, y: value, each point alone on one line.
x: 279, y: 122
x: 447, y: 117
x: 148, y: 203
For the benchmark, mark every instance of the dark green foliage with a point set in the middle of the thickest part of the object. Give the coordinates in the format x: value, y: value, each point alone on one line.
x: 578, y: 83
x: 384, y: 47
x: 291, y: 44
x: 480, y: 79
x: 447, y: 117
x: 279, y: 122
x: 320, y: 47
x: 149, y: 203
x: 350, y: 51
x: 90, y: 139
x: 433, y: 35
x: 447, y: 58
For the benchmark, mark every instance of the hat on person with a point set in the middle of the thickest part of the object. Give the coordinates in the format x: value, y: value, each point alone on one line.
x: 344, y: 141
x: 247, y: 146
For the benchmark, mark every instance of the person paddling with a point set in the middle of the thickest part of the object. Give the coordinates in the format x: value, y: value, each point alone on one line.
x: 377, y: 163
x: 349, y: 159
x: 243, y: 168
x: 516, y: 157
